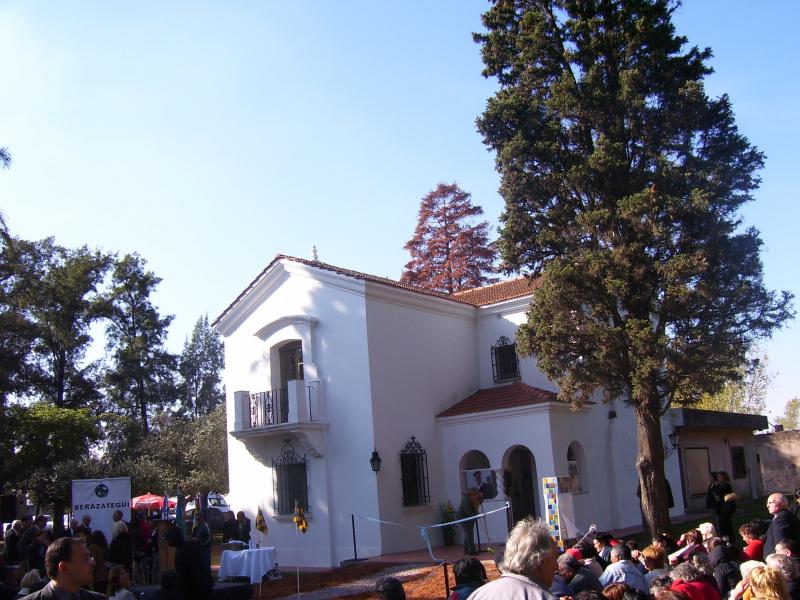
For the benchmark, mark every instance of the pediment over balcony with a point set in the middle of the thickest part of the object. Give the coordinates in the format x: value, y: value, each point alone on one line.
x: 312, y: 436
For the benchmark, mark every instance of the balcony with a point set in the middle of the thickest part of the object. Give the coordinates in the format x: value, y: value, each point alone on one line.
x: 296, y: 409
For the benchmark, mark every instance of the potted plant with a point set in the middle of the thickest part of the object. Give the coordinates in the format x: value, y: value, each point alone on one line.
x: 448, y: 514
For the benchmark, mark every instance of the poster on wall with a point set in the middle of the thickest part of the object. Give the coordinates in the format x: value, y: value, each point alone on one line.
x: 484, y: 480
x: 99, y: 498
x: 550, y: 488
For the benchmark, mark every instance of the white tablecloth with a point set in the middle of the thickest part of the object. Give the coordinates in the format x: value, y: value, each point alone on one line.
x: 247, y: 563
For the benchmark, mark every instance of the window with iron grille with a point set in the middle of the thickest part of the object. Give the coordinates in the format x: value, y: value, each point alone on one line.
x: 414, y: 472
x: 505, y: 365
x: 289, y: 483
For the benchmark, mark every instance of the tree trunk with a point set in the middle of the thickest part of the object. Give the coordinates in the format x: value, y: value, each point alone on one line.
x: 650, y: 466
x: 58, y: 519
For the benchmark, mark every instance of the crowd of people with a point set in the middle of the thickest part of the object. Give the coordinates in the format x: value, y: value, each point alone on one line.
x: 126, y: 560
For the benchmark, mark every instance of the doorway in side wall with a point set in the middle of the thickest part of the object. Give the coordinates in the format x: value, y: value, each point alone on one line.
x: 519, y: 482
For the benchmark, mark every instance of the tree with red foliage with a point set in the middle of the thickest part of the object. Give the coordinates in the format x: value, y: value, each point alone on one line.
x: 448, y: 254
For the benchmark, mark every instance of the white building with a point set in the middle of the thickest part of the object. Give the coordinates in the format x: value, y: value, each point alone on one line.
x: 325, y: 365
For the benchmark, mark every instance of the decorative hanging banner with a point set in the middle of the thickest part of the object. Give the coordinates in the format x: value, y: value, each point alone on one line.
x: 99, y: 498
x: 550, y: 487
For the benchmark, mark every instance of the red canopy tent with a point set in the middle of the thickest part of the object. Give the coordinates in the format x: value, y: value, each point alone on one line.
x: 149, y: 501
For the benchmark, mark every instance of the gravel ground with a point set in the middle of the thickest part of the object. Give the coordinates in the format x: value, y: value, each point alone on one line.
x: 359, y: 586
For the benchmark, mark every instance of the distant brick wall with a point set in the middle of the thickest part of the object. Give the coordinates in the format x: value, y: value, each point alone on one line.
x: 779, y: 458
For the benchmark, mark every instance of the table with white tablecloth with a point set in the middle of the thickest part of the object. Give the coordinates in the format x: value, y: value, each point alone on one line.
x: 253, y: 563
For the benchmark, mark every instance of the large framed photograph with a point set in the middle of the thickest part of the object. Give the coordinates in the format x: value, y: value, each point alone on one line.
x: 484, y: 480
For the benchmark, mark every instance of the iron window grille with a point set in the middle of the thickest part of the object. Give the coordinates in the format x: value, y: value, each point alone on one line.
x: 289, y: 482
x: 505, y: 364
x: 738, y: 462
x: 414, y: 473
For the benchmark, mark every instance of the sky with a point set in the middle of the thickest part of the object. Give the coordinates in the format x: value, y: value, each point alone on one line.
x: 210, y: 136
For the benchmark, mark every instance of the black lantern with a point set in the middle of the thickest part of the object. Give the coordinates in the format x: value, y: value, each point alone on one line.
x: 673, y: 443
x: 375, y: 461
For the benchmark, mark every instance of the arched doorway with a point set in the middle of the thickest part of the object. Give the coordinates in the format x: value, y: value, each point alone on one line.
x: 519, y: 482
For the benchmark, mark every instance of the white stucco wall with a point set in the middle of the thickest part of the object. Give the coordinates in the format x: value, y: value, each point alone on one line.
x: 503, y: 319
x: 339, y: 482
x: 421, y: 361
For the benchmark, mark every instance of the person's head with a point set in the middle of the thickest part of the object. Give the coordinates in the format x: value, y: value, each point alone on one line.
x: 30, y: 578
x: 73, y: 523
x: 568, y: 566
x: 174, y: 537
x: 722, y: 477
x: 169, y: 580
x: 634, y: 548
x: 615, y: 591
x: 662, y: 582
x: 390, y: 588
x: 766, y: 582
x: 117, y: 516
x: 784, y: 565
x: 790, y: 548
x: 686, y: 572
x: 702, y: 563
x: 620, y: 552
x: 41, y: 537
x: 707, y: 530
x: 654, y: 558
x: 41, y: 521
x: 118, y: 528
x: 98, y: 538
x: 69, y: 563
x: 747, y: 566
x: 601, y: 540
x: 693, y: 536
x: 26, y: 521
x: 634, y: 594
x: 776, y: 503
x: 16, y: 525
x: 240, y: 516
x: 588, y: 595
x: 118, y: 578
x: 668, y: 594
x: 478, y: 478
x: 531, y: 551
x: 469, y: 570
x: 749, y: 532
x: 87, y: 520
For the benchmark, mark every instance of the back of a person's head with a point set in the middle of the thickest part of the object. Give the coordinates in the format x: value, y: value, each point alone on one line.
x: 702, y: 563
x: 57, y: 552
x: 390, y: 588
x: 668, y: 594
x: 662, y: 582
x: 615, y: 591
x: 747, y: 566
x: 655, y: 556
x: 766, y: 582
x: 174, y: 537
x: 634, y: 594
x: 784, y: 565
x: 468, y: 570
x: 588, y: 595
x: 686, y: 572
x: 603, y: 538
x: 30, y: 578
x: 621, y: 552
x: 98, y: 538
x: 169, y: 581
x: 526, y: 547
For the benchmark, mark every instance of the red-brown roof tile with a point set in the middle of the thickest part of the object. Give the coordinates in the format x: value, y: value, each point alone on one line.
x: 491, y: 294
x: 498, y: 292
x: 496, y: 398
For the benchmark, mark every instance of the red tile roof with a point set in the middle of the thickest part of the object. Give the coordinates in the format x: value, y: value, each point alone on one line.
x: 491, y: 294
x: 496, y: 398
x: 498, y: 292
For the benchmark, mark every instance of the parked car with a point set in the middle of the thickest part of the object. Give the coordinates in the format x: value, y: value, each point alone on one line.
x: 215, y: 511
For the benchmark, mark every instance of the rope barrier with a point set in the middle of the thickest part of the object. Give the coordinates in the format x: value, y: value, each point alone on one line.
x: 423, y: 529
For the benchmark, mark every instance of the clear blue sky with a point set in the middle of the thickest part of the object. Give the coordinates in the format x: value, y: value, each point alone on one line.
x: 210, y: 136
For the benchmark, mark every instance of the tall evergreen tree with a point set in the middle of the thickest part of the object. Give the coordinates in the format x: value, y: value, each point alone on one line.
x: 141, y: 377
x: 61, y: 301
x: 622, y: 180
x: 448, y: 253
x: 201, y: 364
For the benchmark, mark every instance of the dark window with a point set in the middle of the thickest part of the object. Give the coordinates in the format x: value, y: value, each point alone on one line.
x: 504, y: 360
x: 289, y: 484
x: 414, y: 472
x: 738, y: 462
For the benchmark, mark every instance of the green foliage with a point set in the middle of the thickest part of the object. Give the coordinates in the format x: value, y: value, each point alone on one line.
x: 747, y: 394
x: 141, y: 377
x: 622, y: 180
x: 201, y: 363
x: 791, y: 415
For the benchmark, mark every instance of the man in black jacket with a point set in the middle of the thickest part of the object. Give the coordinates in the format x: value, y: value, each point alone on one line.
x: 784, y: 525
x: 194, y: 578
x: 69, y: 566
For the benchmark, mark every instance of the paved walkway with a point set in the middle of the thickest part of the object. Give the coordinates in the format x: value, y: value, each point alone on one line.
x: 365, y: 584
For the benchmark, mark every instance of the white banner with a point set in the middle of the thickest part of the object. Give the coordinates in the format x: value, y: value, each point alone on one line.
x: 99, y: 498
